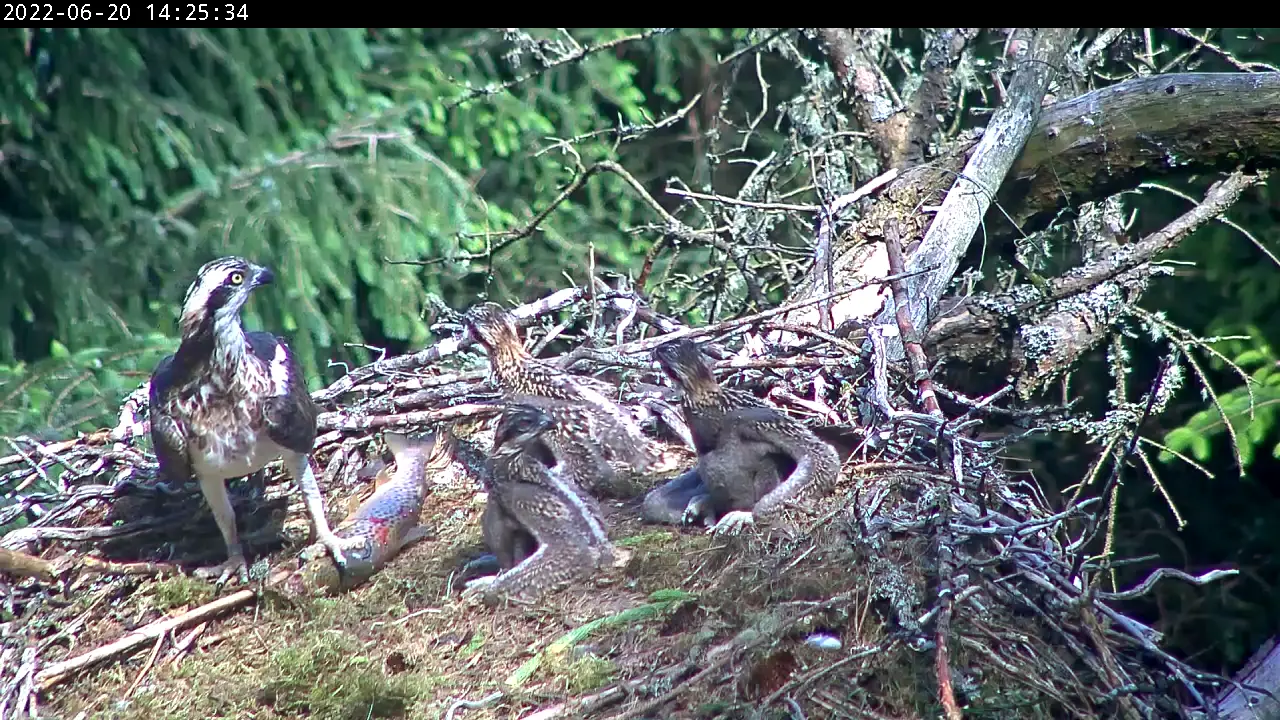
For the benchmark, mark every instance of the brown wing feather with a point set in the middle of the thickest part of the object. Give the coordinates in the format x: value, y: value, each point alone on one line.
x: 167, y: 440
x: 290, y: 418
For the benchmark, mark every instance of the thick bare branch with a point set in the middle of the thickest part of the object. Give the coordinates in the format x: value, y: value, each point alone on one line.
x: 1112, y: 139
x: 900, y: 137
x: 1239, y: 702
x: 22, y: 564
x: 852, y: 59
x: 841, y: 50
x: 962, y: 211
x: 923, y: 114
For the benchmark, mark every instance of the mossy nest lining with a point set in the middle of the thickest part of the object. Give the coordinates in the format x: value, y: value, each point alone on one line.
x: 927, y: 578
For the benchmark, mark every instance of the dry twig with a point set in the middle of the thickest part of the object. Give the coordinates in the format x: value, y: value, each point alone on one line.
x: 59, y: 672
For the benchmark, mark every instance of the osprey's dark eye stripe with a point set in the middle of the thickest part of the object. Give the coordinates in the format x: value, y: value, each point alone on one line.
x: 219, y: 298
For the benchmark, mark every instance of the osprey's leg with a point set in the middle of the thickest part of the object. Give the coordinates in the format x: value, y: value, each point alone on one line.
x: 215, y: 493
x: 298, y: 466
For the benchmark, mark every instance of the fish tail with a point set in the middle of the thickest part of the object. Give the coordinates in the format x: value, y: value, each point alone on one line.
x: 403, y: 446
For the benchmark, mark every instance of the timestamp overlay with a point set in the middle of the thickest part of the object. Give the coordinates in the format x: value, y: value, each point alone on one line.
x: 130, y: 13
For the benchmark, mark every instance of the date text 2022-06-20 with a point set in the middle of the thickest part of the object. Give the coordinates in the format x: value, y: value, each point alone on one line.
x: 111, y: 14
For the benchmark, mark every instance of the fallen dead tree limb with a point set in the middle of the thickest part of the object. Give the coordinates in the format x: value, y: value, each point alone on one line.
x: 24, y: 565
x: 1254, y: 693
x: 1090, y: 147
x: 1073, y: 313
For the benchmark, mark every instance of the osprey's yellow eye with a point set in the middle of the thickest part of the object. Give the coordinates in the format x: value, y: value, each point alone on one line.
x: 237, y: 278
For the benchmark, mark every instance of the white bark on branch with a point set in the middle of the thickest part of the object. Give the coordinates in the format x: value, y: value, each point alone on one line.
x: 966, y: 203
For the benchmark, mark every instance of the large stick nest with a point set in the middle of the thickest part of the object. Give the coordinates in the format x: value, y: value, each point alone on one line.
x: 928, y: 574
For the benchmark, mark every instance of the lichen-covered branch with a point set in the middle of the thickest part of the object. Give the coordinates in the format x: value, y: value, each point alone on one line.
x: 900, y: 135
x: 853, y: 60
x: 966, y: 203
x: 1114, y: 138
x: 1076, y: 311
x: 924, y: 111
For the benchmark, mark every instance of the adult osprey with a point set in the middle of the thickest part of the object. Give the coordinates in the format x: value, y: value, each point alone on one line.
x: 228, y: 402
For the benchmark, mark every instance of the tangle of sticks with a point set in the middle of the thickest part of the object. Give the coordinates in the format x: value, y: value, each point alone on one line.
x: 959, y: 555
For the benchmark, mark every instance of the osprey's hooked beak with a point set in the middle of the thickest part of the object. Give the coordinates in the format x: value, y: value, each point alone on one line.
x: 262, y: 276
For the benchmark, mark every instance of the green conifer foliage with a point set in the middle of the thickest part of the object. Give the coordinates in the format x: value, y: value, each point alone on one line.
x: 130, y: 157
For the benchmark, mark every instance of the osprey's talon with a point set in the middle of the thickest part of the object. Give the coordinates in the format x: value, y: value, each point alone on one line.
x: 220, y: 574
x: 732, y: 523
x: 339, y: 547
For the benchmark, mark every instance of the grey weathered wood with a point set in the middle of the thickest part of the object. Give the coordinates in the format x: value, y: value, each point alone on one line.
x: 1112, y: 139
x: 971, y: 194
x: 1262, y: 671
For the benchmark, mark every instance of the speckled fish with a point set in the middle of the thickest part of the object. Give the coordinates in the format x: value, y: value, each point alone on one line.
x: 386, y: 522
